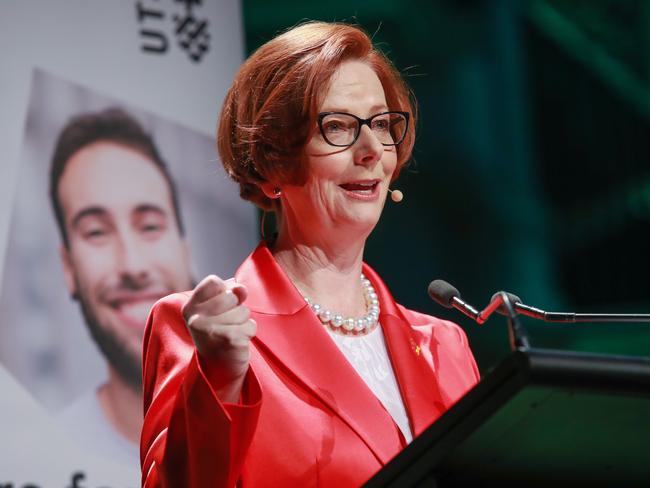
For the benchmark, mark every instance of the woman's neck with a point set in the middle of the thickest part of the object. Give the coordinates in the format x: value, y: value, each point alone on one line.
x: 327, y: 271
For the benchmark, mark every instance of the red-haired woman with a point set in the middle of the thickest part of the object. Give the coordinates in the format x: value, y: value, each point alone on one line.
x: 302, y: 370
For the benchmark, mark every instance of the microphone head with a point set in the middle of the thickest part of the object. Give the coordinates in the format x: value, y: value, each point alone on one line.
x: 396, y: 196
x: 513, y: 299
x: 442, y: 292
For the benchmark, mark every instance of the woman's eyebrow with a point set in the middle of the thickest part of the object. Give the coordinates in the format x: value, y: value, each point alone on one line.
x: 372, y: 110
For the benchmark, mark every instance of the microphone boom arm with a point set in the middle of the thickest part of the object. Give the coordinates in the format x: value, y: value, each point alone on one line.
x: 564, y: 317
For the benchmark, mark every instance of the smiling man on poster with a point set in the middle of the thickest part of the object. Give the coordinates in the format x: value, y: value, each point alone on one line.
x: 123, y: 247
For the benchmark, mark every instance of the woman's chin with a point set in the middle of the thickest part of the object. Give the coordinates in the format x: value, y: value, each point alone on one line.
x: 360, y: 221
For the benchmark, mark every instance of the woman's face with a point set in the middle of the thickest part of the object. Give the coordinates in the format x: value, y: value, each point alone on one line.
x: 346, y: 186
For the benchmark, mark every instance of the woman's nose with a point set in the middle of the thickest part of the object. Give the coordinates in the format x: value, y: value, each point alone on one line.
x: 368, y: 149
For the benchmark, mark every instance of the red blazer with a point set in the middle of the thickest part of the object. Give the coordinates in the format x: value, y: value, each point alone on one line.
x: 305, y: 418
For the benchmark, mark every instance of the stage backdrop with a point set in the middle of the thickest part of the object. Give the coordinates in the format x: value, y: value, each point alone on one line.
x: 163, y: 66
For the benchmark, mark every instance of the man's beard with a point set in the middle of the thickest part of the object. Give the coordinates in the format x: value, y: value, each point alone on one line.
x: 126, y: 364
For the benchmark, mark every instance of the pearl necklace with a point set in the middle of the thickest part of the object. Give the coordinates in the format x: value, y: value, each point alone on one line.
x: 350, y: 325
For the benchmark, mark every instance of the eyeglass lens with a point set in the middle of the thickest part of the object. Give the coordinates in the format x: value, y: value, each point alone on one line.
x: 342, y: 129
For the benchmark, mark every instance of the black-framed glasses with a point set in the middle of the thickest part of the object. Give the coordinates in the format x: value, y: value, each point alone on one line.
x: 341, y: 129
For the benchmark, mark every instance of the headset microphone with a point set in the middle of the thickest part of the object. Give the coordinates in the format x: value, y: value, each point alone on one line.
x: 396, y: 195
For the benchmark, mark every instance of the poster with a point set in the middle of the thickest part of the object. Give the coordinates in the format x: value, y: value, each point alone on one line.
x: 112, y: 197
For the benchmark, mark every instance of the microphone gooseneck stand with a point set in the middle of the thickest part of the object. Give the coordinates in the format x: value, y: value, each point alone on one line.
x: 501, y: 302
x: 511, y: 306
x: 516, y: 332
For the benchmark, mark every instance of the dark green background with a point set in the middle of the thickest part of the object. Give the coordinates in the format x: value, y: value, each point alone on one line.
x: 531, y: 171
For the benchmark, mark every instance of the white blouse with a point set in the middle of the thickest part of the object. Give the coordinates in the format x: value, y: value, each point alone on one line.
x: 369, y: 357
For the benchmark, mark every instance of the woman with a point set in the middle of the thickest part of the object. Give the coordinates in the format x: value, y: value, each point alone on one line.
x: 302, y: 370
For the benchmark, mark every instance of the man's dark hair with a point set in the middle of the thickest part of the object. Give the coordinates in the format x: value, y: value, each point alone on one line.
x: 110, y: 125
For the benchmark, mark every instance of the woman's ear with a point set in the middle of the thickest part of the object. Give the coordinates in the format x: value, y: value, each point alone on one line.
x: 271, y: 190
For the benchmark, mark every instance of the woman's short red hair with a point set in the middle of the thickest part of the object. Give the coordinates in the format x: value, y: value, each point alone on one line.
x: 271, y: 107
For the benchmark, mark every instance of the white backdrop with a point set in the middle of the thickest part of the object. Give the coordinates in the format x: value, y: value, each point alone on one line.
x: 63, y: 57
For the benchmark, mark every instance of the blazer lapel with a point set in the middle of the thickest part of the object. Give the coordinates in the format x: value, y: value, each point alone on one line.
x: 418, y: 385
x: 290, y: 335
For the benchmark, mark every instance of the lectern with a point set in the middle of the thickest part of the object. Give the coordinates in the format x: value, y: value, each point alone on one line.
x: 540, y: 418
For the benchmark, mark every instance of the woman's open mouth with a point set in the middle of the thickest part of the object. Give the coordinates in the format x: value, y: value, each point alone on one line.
x: 367, y: 190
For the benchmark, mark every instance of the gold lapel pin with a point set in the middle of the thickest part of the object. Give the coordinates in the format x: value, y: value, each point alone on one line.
x: 415, y: 347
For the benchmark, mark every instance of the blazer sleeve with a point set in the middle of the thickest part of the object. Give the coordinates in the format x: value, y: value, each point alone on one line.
x: 189, y: 437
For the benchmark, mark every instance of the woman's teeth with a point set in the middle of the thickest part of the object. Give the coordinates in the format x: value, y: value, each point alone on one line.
x: 359, y: 187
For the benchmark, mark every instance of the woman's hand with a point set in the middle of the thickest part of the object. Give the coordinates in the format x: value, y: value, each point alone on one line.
x: 221, y: 329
